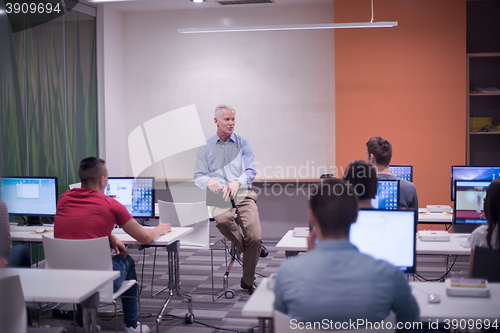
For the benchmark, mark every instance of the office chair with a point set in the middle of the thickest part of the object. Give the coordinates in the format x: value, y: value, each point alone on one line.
x: 13, y: 314
x: 85, y: 254
x: 486, y: 264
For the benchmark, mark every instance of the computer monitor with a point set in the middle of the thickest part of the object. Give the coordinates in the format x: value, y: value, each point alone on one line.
x: 136, y: 194
x: 469, y: 204
x: 387, y: 194
x: 402, y: 171
x: 30, y: 196
x: 470, y: 172
x: 388, y: 235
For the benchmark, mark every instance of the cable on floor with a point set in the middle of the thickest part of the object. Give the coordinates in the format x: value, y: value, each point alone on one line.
x: 440, y: 279
x: 206, y: 325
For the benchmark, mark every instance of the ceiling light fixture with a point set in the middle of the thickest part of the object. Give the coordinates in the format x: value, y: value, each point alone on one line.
x: 197, y: 1
x: 291, y: 27
x: 370, y: 24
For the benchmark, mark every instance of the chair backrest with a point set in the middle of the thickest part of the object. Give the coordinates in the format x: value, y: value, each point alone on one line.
x: 194, y: 215
x: 486, y: 264
x: 283, y: 324
x: 75, y: 185
x: 84, y: 254
x: 13, y: 318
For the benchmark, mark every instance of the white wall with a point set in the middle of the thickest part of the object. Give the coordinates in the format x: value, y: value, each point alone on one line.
x: 281, y: 83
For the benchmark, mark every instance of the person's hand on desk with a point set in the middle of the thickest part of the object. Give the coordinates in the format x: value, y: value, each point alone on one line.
x: 214, y: 185
x: 117, y: 245
x: 164, y: 228
x: 229, y: 191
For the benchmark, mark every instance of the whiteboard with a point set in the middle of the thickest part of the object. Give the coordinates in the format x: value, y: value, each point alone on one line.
x: 281, y: 83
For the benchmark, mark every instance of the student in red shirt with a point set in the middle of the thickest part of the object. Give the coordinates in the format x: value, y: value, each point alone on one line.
x: 86, y: 212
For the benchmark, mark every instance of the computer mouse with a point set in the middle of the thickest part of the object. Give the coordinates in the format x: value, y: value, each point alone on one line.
x: 40, y: 230
x: 434, y: 298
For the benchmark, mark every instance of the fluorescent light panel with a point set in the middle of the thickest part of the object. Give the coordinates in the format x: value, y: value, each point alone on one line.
x: 291, y: 27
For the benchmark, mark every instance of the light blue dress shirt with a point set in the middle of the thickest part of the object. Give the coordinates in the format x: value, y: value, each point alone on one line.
x: 225, y: 162
x: 337, y: 282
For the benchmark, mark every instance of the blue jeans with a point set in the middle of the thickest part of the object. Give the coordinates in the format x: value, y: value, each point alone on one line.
x: 19, y: 257
x: 126, y: 267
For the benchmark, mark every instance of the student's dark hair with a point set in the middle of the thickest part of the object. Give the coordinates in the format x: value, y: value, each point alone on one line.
x: 492, y: 212
x: 91, y: 169
x: 362, y: 175
x: 335, y: 206
x: 381, y: 149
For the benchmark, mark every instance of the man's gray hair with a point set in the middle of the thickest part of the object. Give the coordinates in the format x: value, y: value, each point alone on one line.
x: 218, y: 112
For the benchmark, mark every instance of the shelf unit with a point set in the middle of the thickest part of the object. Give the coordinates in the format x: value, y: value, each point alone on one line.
x: 483, y: 71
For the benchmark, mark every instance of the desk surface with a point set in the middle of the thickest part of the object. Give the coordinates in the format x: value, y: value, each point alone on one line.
x: 174, y: 235
x: 261, y: 303
x: 455, y: 307
x: 452, y: 247
x: 59, y: 285
x: 291, y: 243
x: 31, y: 237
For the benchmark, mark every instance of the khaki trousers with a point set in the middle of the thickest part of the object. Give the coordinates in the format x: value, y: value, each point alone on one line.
x: 249, y: 239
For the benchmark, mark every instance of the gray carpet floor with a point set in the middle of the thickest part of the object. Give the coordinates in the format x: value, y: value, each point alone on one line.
x: 221, y: 315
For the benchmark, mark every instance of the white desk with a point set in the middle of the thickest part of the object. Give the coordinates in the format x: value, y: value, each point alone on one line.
x: 455, y: 307
x: 170, y: 241
x: 165, y: 240
x: 435, y: 218
x: 445, y: 248
x: 64, y: 286
x: 19, y: 235
x: 261, y: 304
x: 291, y: 245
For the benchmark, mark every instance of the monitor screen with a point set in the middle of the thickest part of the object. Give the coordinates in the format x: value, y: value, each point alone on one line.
x: 30, y: 195
x: 402, y: 171
x: 136, y: 194
x: 469, y: 172
x: 388, y: 235
x: 469, y: 201
x: 387, y: 194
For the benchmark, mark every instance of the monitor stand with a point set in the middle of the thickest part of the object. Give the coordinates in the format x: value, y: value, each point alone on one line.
x: 34, y: 220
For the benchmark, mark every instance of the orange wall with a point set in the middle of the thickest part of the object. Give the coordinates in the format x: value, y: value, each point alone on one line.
x: 405, y: 83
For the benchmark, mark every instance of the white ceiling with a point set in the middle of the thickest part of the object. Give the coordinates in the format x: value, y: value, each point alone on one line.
x: 156, y: 5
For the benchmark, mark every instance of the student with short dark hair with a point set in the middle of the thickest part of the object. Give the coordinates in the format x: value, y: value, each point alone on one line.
x: 379, y: 151
x: 362, y: 175
x: 87, y: 213
x: 334, y: 281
